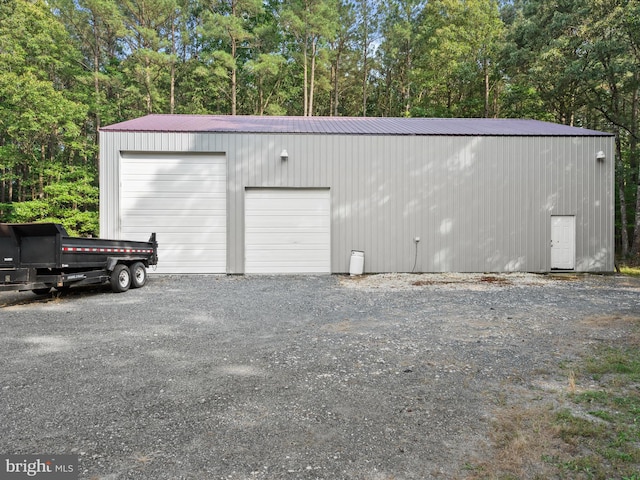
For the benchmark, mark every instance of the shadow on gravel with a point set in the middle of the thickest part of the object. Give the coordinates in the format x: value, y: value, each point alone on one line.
x: 30, y: 298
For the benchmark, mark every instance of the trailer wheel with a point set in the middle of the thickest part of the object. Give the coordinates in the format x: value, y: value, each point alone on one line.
x: 138, y: 275
x: 41, y: 291
x: 120, y: 278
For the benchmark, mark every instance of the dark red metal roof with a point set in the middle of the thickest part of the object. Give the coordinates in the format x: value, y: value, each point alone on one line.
x: 348, y: 126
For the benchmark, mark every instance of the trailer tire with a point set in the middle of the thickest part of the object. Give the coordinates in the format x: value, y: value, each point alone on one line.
x: 138, y: 275
x: 120, y: 278
x: 41, y: 291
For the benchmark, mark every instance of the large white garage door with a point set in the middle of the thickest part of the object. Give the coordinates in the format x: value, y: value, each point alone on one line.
x: 287, y: 231
x: 181, y: 197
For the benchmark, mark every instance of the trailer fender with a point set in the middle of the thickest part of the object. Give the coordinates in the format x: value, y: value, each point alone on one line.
x: 111, y: 263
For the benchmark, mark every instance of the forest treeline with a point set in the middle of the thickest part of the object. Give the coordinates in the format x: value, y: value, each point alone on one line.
x: 68, y: 67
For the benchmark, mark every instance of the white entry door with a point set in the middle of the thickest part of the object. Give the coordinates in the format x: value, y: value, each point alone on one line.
x: 287, y: 231
x: 563, y: 242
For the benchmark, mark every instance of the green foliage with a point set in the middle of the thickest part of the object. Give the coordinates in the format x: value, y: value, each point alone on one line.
x: 461, y: 42
x: 44, y: 153
x: 68, y: 67
x: 71, y: 200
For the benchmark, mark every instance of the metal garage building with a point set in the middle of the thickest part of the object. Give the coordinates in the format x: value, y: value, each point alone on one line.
x: 299, y: 194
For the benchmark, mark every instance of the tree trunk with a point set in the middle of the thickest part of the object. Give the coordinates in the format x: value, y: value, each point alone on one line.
x: 147, y: 83
x: 174, y: 51
x: 624, y: 233
x: 20, y: 184
x: 3, y: 185
x: 336, y: 95
x: 333, y: 79
x: 96, y: 79
x: 314, y: 45
x: 635, y: 165
x: 234, y: 69
x: 306, y: 77
x: 365, y: 57
x: 260, y: 97
x: 388, y: 84
x: 408, y: 67
x: 364, y: 86
x: 43, y: 156
x: 234, y: 79
x: 635, y: 248
x: 633, y: 137
x: 485, y: 69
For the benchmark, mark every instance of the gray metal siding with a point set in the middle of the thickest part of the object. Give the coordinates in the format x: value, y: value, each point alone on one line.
x: 477, y: 203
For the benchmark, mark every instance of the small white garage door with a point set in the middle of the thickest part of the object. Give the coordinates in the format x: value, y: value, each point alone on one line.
x: 181, y: 197
x: 287, y: 231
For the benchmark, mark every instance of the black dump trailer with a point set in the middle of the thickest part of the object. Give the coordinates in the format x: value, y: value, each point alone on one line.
x: 42, y: 256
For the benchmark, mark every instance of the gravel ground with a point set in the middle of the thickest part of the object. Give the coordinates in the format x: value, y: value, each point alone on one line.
x: 328, y: 377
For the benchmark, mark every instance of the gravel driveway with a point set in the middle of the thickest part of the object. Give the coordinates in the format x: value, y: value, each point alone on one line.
x: 330, y: 377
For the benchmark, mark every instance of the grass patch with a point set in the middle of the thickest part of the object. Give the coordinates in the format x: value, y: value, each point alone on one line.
x: 630, y: 271
x: 594, y: 434
x: 621, y: 364
x: 603, y: 424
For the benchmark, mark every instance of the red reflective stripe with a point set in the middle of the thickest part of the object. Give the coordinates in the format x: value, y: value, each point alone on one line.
x: 106, y: 250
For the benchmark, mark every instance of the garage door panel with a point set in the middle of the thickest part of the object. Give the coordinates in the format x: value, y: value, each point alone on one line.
x: 189, y: 253
x: 311, y: 218
x: 203, y: 196
x: 166, y: 160
x: 173, y: 189
x: 306, y: 208
x: 168, y: 185
x: 291, y: 268
x: 173, y: 202
x: 195, y: 266
x: 287, y: 231
x: 185, y: 234
x: 179, y: 224
x: 314, y: 239
x: 275, y: 195
x: 185, y: 231
x: 176, y: 237
x: 194, y: 185
x: 150, y: 207
x: 292, y: 250
x: 187, y: 169
x: 174, y: 159
x: 301, y: 261
x: 284, y: 206
x: 287, y: 222
x: 183, y: 199
x: 177, y: 172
